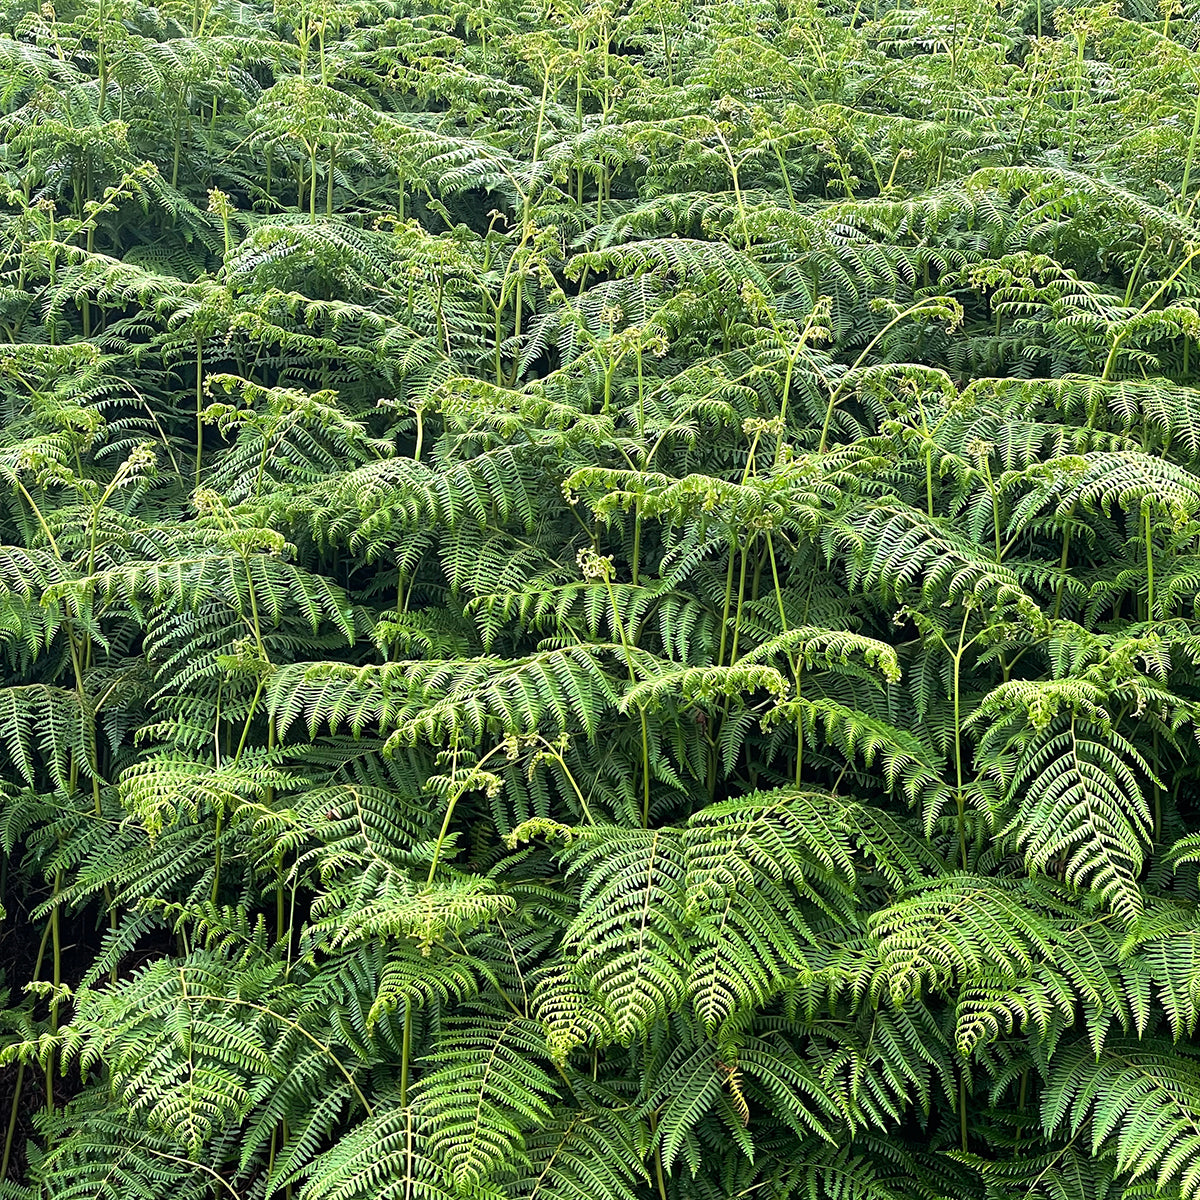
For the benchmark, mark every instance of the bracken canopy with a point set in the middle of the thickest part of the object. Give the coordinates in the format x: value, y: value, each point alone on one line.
x: 600, y: 600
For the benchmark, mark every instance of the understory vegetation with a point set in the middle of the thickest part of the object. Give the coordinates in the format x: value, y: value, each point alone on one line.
x: 599, y: 601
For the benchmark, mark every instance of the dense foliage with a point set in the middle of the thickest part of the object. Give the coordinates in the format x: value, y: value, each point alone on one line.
x: 599, y: 602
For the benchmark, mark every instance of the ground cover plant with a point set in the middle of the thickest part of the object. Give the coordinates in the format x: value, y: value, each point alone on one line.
x: 599, y: 601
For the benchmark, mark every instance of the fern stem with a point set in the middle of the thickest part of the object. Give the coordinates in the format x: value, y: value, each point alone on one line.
x: 787, y: 182
x: 737, y: 185
x: 56, y: 968
x: 288, y: 1023
x: 987, y: 471
x: 1135, y: 273
x: 1035, y: 86
x: 958, y: 762
x: 962, y: 1107
x: 728, y: 602
x: 499, y: 337
x: 455, y: 796
x: 659, y: 1180
x: 783, y: 400
x: 836, y: 394
x: 280, y: 907
x: 1158, y: 815
x: 612, y: 599
x: 216, y: 883
x: 312, y: 183
x: 102, y: 57
x: 1110, y: 361
x: 1149, y: 562
x: 1062, y: 571
x: 405, y: 1052
x: 10, y: 1132
x: 199, y: 407
x: 733, y: 649
x: 1081, y: 40
x: 794, y: 658
x: 37, y: 513
x: 656, y: 1151
x: 450, y: 804
x: 258, y: 691
x: 408, y: 1155
x: 645, y: 769
x: 583, y: 804
x: 518, y: 307
x: 741, y: 595
x: 1191, y: 150
x: 13, y: 1110
x: 636, y: 556
x: 192, y: 1165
